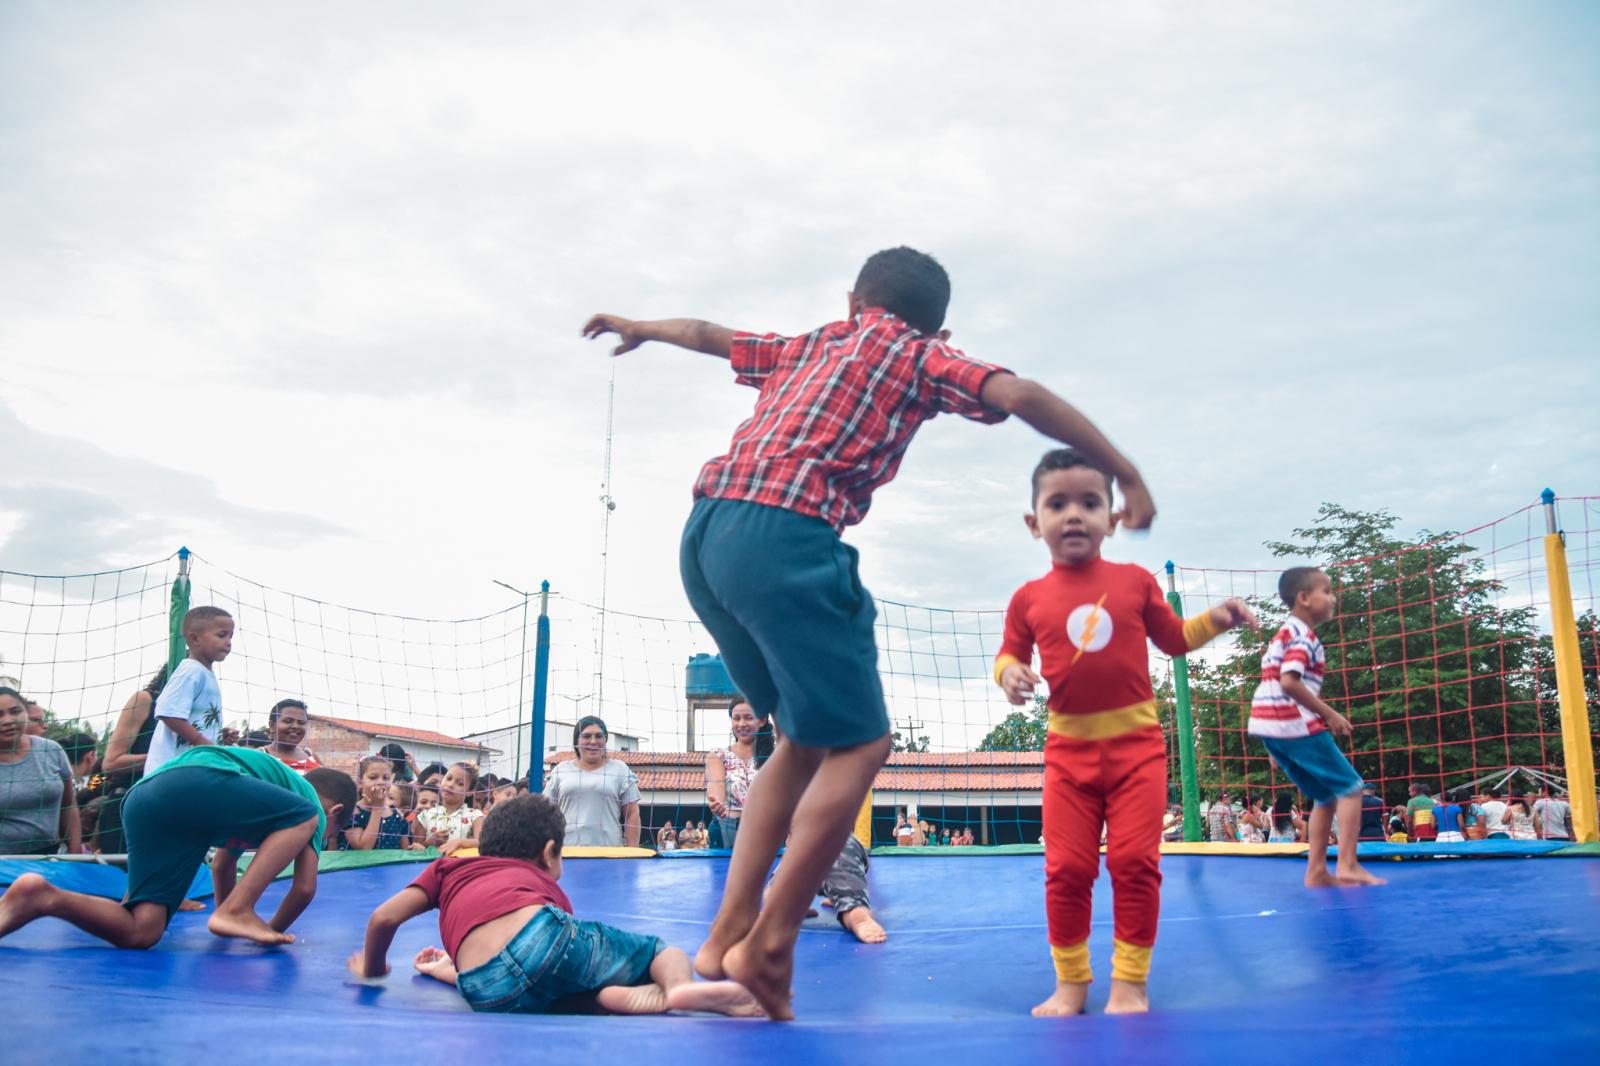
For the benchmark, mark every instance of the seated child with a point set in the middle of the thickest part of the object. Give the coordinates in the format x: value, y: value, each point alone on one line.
x: 377, y: 823
x: 231, y: 799
x: 512, y: 944
x: 427, y: 798
x: 1297, y: 727
x: 1397, y: 831
x: 448, y: 826
x: 1105, y: 761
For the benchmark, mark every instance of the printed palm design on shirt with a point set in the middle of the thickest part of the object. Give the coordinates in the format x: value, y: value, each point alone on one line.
x: 211, y: 718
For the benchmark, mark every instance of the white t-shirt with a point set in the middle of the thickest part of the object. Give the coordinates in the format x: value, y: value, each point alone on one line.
x: 1494, y: 813
x: 191, y: 693
x: 592, y: 800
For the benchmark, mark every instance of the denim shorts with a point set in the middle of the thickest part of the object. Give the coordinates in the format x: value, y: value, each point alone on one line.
x: 554, y: 957
x: 781, y: 595
x: 1316, y: 766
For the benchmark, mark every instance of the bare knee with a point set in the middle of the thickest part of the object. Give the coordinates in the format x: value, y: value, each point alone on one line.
x: 149, y: 926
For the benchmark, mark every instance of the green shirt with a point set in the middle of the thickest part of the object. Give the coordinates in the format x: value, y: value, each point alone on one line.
x: 1421, y: 808
x: 248, y: 762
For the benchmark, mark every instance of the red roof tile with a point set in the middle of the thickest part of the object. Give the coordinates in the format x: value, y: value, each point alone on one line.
x: 399, y: 732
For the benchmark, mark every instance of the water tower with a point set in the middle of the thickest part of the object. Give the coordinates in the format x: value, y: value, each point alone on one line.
x: 709, y: 688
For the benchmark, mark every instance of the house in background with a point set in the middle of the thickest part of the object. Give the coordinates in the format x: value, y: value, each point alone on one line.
x: 341, y: 742
x: 510, y: 740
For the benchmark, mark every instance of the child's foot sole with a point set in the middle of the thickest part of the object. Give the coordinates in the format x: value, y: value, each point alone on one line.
x: 766, y: 975
x: 23, y: 902
x: 635, y: 999
x: 719, y: 997
x: 250, y: 928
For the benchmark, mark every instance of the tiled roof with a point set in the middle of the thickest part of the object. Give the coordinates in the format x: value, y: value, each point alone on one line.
x: 971, y: 772
x: 399, y: 732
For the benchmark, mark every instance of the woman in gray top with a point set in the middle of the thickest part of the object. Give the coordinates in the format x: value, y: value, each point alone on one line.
x: 598, y: 795
x: 37, y: 806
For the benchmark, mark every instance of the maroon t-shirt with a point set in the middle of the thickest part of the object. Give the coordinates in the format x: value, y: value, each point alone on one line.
x: 469, y: 892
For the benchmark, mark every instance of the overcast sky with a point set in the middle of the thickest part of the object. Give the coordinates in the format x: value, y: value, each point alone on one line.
x: 300, y: 286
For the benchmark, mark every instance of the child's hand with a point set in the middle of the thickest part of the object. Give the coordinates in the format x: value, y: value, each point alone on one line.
x: 1233, y: 612
x: 1018, y: 681
x: 450, y: 847
x: 1337, y: 724
x: 357, y: 964
x: 600, y: 325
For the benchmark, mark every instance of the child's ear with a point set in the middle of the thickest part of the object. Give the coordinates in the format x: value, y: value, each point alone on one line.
x: 944, y: 335
x: 1031, y: 520
x: 853, y: 305
x: 335, y: 814
x: 552, y: 854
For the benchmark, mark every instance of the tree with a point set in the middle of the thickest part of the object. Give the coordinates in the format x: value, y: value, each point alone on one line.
x: 1020, y: 730
x: 1439, y: 680
x: 898, y: 742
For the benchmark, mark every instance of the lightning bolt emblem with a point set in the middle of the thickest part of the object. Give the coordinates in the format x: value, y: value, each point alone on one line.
x: 1090, y: 624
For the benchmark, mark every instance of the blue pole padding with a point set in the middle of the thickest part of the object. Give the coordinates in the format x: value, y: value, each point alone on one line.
x: 541, y: 678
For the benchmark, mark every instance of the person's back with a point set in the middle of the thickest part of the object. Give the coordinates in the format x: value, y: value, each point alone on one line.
x: 1447, y: 817
x: 1420, y: 813
x: 1372, y: 810
x: 1552, y: 816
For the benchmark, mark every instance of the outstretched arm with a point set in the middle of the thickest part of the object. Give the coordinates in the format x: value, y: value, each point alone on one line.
x: 690, y: 333
x: 398, y: 909
x: 1055, y: 417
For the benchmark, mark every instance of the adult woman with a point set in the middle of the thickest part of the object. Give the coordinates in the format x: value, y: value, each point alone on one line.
x: 124, y: 759
x: 287, y: 722
x: 667, y: 838
x: 598, y: 795
x: 1519, y: 820
x: 730, y: 770
x: 1286, y: 826
x: 1253, y: 822
x: 37, y: 806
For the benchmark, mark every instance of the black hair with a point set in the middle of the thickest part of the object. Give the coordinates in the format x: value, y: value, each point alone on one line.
x: 256, y: 738
x: 370, y: 760
x: 1282, y: 805
x: 765, y: 741
x: 277, y: 708
x: 7, y: 690
x: 520, y: 827
x: 1294, y: 581
x: 1492, y: 793
x: 1065, y: 459
x: 77, y: 744
x: 432, y: 768
x: 906, y: 283
x: 584, y: 723
x: 397, y: 755
x: 199, y: 616
x: 156, y: 684
x: 336, y: 787
x: 427, y: 788
x: 408, y: 792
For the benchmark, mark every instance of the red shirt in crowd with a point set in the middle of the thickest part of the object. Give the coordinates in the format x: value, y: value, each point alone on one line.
x: 837, y: 410
x: 471, y: 891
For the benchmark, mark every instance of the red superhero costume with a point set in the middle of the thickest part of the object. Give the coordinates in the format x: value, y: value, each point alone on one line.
x: 1105, y: 761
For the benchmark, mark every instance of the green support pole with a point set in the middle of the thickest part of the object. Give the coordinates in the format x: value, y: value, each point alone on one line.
x: 1180, y: 690
x: 177, y: 648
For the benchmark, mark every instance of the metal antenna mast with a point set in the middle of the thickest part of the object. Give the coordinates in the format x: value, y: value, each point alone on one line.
x: 605, y: 544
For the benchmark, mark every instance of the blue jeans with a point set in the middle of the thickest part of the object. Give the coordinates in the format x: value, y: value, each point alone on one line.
x: 730, y: 829
x: 556, y: 956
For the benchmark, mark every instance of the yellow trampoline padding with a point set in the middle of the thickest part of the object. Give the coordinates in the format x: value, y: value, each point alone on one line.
x: 582, y: 851
x: 1225, y: 848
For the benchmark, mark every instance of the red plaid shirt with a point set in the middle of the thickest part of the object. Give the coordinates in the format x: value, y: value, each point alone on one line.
x: 837, y: 410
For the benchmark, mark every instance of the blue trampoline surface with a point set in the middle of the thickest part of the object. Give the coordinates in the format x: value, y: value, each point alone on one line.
x: 1250, y: 967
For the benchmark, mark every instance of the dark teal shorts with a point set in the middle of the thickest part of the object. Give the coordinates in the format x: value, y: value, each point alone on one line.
x: 1316, y: 766
x: 781, y: 595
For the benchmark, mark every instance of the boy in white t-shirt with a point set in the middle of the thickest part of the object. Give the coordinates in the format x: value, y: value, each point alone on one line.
x: 189, y: 710
x: 1494, y: 814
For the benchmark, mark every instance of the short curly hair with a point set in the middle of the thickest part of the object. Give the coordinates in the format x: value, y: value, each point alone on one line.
x: 520, y: 827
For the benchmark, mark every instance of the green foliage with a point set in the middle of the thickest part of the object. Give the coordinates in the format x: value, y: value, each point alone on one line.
x: 898, y: 742
x: 1440, y: 681
x: 1020, y: 730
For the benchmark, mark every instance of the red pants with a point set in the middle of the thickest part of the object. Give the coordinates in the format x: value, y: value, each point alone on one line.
x: 1122, y: 783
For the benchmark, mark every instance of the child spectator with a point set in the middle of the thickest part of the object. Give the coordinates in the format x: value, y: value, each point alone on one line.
x: 189, y: 711
x: 430, y: 774
x: 1419, y: 813
x: 1297, y: 727
x: 427, y: 798
x: 403, y: 798
x: 667, y: 838
x: 1286, y: 826
x: 779, y: 591
x: 287, y: 722
x: 512, y: 943
x: 231, y: 799
x: 945, y: 840
x: 80, y: 752
x: 491, y: 790
x: 1105, y: 760
x: 933, y: 834
x: 1447, y: 816
x: 1471, y: 818
x: 449, y: 825
x: 1397, y: 830
x: 904, y: 832
x: 377, y: 822
x: 1494, y: 813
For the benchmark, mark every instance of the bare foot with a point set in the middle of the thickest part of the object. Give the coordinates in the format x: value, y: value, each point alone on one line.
x: 633, y: 999
x: 767, y: 974
x: 247, y: 926
x: 1068, y: 999
x: 1321, y: 879
x: 865, y: 928
x: 1128, y: 997
x: 1356, y: 874
x: 191, y: 905
x: 726, y: 931
x: 720, y: 997
x: 23, y: 902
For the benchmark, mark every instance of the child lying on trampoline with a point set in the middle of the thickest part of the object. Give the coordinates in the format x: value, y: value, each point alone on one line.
x: 512, y: 944
x: 232, y: 799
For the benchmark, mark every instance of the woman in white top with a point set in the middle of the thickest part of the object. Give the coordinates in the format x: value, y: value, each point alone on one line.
x: 1285, y: 825
x: 598, y: 795
x: 1519, y: 821
x: 730, y: 770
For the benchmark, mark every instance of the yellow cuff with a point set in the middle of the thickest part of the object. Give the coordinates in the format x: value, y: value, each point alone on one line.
x: 1072, y: 963
x: 1199, y: 630
x: 1129, y: 962
x: 1000, y: 665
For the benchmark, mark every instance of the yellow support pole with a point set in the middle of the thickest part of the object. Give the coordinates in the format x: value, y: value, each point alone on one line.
x: 864, y: 822
x: 1578, y: 752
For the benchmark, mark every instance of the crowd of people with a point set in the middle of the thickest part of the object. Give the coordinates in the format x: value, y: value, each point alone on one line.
x: 1451, y: 817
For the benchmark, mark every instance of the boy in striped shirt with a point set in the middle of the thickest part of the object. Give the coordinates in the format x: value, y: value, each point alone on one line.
x: 1294, y: 723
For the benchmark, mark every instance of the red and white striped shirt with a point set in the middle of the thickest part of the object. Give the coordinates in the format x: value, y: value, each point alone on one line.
x: 1294, y: 650
x: 837, y: 410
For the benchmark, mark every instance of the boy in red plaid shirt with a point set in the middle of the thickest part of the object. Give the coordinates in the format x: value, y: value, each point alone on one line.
x: 778, y: 590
